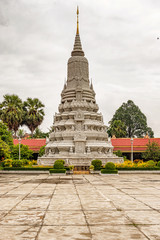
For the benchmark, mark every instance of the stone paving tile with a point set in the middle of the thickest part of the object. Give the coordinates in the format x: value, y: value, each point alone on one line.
x: 152, y: 231
x: 106, y: 218
x: 23, y: 218
x: 64, y: 233
x: 64, y: 218
x: 30, y: 204
x: 120, y: 232
x: 79, y: 207
x: 144, y: 217
x: 18, y: 232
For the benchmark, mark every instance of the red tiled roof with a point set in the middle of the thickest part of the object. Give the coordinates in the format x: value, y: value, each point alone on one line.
x: 122, y: 144
x: 33, y: 144
x: 139, y: 144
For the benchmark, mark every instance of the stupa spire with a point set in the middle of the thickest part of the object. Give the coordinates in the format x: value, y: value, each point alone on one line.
x: 77, y: 49
x: 77, y: 20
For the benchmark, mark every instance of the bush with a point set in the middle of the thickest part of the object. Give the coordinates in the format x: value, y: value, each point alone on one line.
x: 26, y: 168
x: 97, y: 164
x: 91, y: 167
x: 26, y: 153
x: 158, y: 164
x: 110, y: 166
x: 71, y: 167
x: 151, y: 163
x: 58, y: 165
x: 6, y: 163
x: 25, y: 162
x: 109, y: 171
x: 17, y: 163
x: 57, y: 170
x: 60, y: 160
x: 41, y: 151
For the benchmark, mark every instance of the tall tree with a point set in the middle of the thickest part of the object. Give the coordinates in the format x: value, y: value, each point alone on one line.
x: 152, y: 152
x: 33, y: 113
x: 134, y: 120
x: 39, y: 134
x: 11, y: 111
x: 118, y: 129
x: 6, y: 135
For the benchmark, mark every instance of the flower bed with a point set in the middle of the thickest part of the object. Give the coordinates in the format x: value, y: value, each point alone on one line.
x: 128, y: 165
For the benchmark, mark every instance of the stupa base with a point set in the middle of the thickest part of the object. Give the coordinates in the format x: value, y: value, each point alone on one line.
x: 83, y: 161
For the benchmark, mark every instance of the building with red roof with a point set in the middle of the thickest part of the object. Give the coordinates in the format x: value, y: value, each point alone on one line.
x: 122, y: 144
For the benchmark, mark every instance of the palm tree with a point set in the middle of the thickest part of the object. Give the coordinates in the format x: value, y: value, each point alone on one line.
x: 11, y: 111
x: 33, y: 113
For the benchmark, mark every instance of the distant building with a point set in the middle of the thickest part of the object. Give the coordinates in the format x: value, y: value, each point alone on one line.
x: 122, y: 144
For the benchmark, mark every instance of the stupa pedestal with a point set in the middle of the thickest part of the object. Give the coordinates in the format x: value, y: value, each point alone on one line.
x: 79, y: 134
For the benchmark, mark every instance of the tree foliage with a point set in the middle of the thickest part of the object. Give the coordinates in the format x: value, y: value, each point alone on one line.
x: 4, y: 150
x: 117, y: 128
x: 11, y: 111
x: 33, y: 113
x: 6, y: 135
x: 152, y: 152
x: 25, y: 152
x: 41, y: 151
x: 134, y: 120
x: 39, y: 134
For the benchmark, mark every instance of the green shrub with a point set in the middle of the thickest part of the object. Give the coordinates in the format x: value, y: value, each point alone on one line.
x: 58, y: 165
x: 6, y: 163
x: 71, y: 167
x: 25, y: 162
x: 26, y: 168
x: 26, y: 153
x: 91, y: 167
x: 60, y: 160
x: 57, y: 170
x: 158, y: 164
x: 110, y: 166
x: 41, y: 151
x: 151, y: 163
x: 17, y: 163
x: 97, y: 164
x: 109, y: 171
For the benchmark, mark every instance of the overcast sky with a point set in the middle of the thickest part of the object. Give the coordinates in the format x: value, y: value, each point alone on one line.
x: 119, y: 38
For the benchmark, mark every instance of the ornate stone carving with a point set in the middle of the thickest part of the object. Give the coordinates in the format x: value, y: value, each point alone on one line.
x: 79, y: 128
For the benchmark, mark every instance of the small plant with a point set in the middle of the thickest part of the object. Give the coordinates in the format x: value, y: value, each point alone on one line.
x: 71, y: 167
x: 17, y: 163
x: 151, y: 163
x: 109, y: 169
x: 34, y: 162
x: 97, y: 164
x: 158, y: 164
x: 7, y: 163
x: 58, y: 164
x: 60, y: 160
x: 110, y: 166
x: 25, y: 162
x: 91, y: 167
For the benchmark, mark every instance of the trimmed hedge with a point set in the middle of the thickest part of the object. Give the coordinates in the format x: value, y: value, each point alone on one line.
x: 57, y: 170
x: 138, y: 168
x: 110, y: 166
x: 26, y: 169
x: 58, y: 164
x: 108, y: 171
x: 97, y: 164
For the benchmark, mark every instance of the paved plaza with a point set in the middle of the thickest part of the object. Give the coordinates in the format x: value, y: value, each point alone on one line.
x: 44, y: 207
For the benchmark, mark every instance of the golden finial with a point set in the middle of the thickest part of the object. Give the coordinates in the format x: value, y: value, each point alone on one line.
x: 77, y: 20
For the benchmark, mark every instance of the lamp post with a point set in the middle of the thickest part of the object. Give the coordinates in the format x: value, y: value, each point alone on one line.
x: 19, y: 140
x: 131, y: 149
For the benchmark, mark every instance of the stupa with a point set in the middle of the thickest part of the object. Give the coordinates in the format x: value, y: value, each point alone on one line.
x: 79, y: 134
